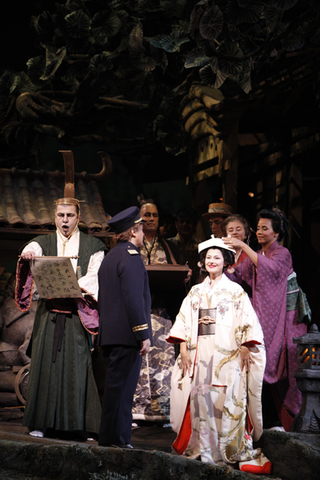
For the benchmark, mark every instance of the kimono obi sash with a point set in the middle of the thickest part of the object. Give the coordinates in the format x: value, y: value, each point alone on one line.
x: 207, y: 321
x: 297, y: 300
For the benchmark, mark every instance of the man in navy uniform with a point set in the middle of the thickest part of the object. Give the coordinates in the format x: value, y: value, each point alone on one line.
x: 125, y: 326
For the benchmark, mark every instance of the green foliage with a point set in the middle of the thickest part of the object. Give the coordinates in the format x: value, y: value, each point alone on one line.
x: 126, y: 48
x: 120, y: 38
x: 239, y: 38
x: 15, y: 84
x: 150, y: 51
x: 105, y: 24
x: 99, y: 476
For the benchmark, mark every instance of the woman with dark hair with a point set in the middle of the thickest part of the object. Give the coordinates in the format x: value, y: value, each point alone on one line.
x: 212, y: 393
x: 237, y: 226
x: 275, y: 298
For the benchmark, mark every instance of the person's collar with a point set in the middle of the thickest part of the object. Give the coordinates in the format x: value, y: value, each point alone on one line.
x: 153, y: 239
x: 130, y: 244
x: 66, y: 239
x: 272, y: 247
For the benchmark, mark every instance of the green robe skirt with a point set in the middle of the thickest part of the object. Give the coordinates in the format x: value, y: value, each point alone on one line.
x: 63, y: 394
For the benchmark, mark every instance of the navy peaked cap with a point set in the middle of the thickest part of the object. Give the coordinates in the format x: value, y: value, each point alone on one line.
x: 125, y: 220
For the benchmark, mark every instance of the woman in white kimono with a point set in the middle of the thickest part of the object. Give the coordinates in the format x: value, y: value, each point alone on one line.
x: 217, y: 379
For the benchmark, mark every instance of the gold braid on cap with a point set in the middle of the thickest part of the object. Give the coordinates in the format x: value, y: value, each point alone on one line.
x: 68, y: 201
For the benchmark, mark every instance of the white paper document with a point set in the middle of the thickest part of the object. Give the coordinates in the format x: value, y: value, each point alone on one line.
x: 55, y: 277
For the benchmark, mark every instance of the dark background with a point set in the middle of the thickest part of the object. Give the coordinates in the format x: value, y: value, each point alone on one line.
x: 16, y: 39
x: 17, y: 46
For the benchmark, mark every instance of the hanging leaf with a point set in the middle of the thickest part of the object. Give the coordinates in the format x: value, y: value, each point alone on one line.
x: 123, y: 45
x: 245, y: 77
x: 15, y: 83
x: 255, y: 38
x: 143, y: 62
x: 36, y: 67
x: 136, y: 39
x: 248, y: 46
x: 206, y: 46
x: 63, y: 9
x: 247, y: 11
x: 148, y: 6
x: 25, y: 84
x: 162, y: 59
x: 78, y: 24
x: 105, y: 24
x: 7, y: 80
x: 173, y: 8
x: 174, y: 41
x: 100, y: 64
x: 79, y: 67
x: 272, y: 14
x: 155, y: 42
x: 294, y: 41
x: 196, y: 15
x: 101, y: 41
x: 211, y: 23
x: 131, y: 4
x: 220, y: 79
x: 54, y: 58
x: 245, y: 83
x: 207, y: 75
x: 183, y: 26
x: 196, y: 58
x: 77, y: 46
x: 163, y: 100
x: 68, y: 76
x: 45, y: 27
x: 115, y: 5
x: 171, y: 43
x: 70, y: 82
x: 141, y: 87
x: 229, y: 61
x: 283, y: 4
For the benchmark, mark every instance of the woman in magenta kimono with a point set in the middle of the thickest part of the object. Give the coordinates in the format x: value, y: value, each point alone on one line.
x: 275, y: 298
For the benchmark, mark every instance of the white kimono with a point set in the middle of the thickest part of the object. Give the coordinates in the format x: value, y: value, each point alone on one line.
x: 225, y: 402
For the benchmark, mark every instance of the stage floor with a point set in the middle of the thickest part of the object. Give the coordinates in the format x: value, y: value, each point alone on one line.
x: 148, y: 436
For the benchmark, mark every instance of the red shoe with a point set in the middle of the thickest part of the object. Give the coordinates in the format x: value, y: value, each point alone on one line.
x: 258, y: 466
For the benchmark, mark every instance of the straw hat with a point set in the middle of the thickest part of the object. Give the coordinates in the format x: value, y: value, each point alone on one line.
x: 218, y: 210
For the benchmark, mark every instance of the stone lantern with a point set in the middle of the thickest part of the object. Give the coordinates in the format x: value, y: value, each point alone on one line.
x: 308, y: 382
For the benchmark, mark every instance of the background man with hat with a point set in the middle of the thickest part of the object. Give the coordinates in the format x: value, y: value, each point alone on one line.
x: 62, y: 392
x: 125, y: 326
x: 217, y: 212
